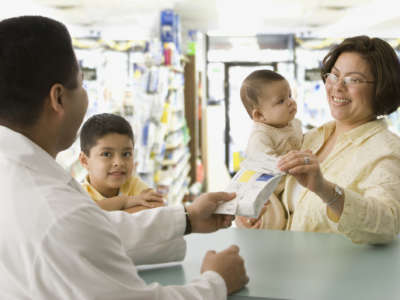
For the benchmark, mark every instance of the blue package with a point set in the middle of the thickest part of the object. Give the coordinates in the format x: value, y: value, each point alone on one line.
x: 167, y: 26
x: 264, y: 177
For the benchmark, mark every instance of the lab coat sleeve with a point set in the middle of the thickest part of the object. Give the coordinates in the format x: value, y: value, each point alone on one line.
x: 152, y: 235
x: 82, y: 256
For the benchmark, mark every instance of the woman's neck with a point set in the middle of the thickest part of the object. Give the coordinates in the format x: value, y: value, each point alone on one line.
x: 342, y: 127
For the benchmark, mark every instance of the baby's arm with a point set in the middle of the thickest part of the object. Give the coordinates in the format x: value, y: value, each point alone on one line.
x: 260, y: 144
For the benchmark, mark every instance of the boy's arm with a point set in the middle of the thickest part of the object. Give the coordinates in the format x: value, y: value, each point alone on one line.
x: 113, y: 203
x: 147, y: 198
x: 137, y: 208
x: 131, y: 204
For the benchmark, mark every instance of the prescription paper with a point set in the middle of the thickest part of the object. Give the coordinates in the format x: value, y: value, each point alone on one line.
x: 253, y: 184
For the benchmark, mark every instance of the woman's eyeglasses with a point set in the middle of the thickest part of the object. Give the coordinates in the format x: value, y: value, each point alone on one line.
x: 347, y: 80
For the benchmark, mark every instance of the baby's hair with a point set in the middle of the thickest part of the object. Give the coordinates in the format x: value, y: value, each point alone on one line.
x: 97, y: 126
x: 250, y: 90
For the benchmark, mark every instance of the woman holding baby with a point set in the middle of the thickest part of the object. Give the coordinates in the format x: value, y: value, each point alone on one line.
x: 346, y: 176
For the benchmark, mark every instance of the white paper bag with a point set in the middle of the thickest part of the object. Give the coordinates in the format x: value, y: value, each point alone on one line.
x: 253, y: 184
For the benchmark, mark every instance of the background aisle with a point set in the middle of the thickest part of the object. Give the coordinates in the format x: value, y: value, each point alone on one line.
x: 173, y: 68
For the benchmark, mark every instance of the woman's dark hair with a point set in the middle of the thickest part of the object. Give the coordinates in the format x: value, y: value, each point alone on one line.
x: 250, y: 91
x: 385, y: 68
x: 35, y: 53
x: 97, y: 126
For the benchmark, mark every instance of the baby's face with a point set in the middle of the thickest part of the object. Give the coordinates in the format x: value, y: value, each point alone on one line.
x: 276, y: 106
x: 110, y: 163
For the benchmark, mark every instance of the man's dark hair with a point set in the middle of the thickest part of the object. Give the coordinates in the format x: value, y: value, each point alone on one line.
x: 35, y: 53
x: 250, y: 90
x: 97, y: 126
x: 385, y: 68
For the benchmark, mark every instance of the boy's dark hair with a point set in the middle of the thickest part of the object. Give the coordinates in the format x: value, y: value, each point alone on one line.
x: 250, y: 90
x: 35, y: 53
x: 97, y: 126
x: 384, y: 64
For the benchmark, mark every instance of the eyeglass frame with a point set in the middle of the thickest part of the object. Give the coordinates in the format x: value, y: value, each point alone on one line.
x: 357, y: 80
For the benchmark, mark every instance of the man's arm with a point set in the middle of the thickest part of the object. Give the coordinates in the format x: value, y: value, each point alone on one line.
x: 228, y: 263
x: 83, y: 257
x: 160, y: 226
x: 152, y: 235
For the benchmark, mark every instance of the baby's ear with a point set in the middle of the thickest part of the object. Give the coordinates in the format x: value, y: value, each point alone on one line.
x: 83, y: 159
x: 257, y: 116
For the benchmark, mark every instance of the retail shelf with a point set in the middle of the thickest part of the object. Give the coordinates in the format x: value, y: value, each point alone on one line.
x: 166, y: 177
x: 180, y: 196
x: 175, y: 126
x: 175, y: 156
x: 180, y: 182
x: 177, y: 109
x: 175, y: 196
x: 175, y: 69
x: 152, y: 100
x: 175, y: 143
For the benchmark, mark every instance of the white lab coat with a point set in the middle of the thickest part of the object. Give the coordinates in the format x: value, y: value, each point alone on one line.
x: 56, y: 243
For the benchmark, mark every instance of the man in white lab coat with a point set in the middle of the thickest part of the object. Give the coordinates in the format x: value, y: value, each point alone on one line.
x: 55, y: 243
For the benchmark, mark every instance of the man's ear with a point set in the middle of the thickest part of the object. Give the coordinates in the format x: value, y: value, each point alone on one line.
x: 257, y: 115
x: 56, y: 97
x: 83, y: 159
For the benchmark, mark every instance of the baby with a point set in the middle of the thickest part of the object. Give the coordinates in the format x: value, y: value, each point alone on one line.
x: 267, y: 97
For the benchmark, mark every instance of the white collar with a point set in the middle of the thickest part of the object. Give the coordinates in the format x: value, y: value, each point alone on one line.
x: 20, y: 149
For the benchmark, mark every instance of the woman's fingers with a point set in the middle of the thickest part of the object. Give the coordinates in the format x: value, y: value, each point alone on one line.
x: 296, y: 159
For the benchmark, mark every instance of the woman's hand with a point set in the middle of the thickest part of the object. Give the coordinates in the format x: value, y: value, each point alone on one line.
x: 304, y: 166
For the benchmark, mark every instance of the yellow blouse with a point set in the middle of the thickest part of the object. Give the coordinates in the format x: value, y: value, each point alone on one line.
x: 366, y: 163
x: 132, y: 187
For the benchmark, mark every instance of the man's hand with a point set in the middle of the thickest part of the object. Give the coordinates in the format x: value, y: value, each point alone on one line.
x: 230, y: 265
x: 201, y: 212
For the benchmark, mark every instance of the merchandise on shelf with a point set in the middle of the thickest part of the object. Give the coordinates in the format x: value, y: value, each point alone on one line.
x: 129, y: 79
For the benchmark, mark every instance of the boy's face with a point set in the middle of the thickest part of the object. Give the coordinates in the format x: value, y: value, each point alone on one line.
x: 276, y: 106
x: 110, y: 163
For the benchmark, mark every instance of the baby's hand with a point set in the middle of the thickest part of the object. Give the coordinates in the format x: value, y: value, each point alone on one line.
x: 254, y: 223
x: 245, y: 222
x: 147, y: 198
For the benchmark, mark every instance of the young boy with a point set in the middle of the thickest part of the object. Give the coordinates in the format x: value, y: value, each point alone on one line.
x: 267, y: 97
x: 107, y: 145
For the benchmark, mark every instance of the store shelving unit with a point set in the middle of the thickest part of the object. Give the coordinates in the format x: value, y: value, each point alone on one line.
x: 150, y: 95
x: 172, y: 162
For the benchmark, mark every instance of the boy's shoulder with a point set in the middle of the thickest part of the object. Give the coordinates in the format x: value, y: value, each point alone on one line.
x: 133, y: 186
x: 93, y: 193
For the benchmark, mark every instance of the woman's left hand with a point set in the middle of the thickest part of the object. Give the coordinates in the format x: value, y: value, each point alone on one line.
x: 304, y: 166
